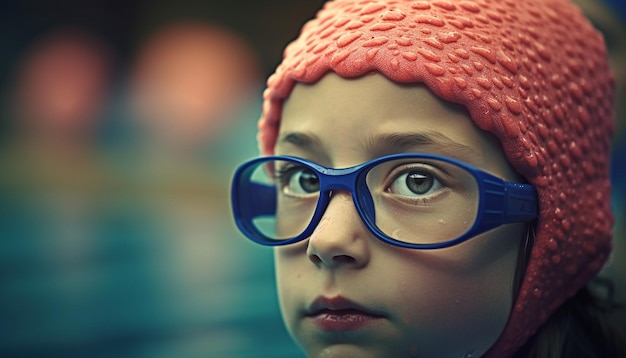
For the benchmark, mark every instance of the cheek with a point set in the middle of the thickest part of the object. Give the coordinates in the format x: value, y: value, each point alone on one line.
x: 448, y: 297
x: 458, y: 298
x: 457, y: 317
x: 289, y: 279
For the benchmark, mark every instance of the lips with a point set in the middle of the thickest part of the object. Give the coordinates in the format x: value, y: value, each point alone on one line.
x: 341, y: 314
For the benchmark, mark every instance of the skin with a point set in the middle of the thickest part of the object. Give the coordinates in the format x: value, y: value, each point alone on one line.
x: 433, y: 303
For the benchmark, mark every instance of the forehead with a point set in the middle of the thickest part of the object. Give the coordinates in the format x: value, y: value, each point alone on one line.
x: 349, y: 114
x: 372, y: 95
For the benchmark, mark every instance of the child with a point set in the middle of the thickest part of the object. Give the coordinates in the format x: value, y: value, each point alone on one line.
x: 475, y: 204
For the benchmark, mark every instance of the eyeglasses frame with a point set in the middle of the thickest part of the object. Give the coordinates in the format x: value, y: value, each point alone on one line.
x: 500, y: 202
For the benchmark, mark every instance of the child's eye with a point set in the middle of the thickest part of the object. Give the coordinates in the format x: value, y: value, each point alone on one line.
x: 415, y: 183
x: 297, y: 180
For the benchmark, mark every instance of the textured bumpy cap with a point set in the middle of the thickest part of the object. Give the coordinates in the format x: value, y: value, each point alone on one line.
x: 534, y: 73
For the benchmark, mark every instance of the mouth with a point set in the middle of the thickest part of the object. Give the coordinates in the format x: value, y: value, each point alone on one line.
x: 341, y: 314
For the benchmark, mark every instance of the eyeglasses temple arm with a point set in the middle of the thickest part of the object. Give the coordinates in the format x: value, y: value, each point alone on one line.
x: 508, y: 202
x: 521, y: 202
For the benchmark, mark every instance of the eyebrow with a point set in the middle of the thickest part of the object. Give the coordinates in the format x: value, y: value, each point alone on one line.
x: 435, y: 142
x: 301, y: 140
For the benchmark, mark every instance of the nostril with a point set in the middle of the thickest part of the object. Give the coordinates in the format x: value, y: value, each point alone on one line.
x: 336, y: 260
x: 315, y: 259
x: 344, y: 259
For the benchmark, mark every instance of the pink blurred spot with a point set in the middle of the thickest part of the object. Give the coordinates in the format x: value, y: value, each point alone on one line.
x: 188, y: 79
x: 61, y: 86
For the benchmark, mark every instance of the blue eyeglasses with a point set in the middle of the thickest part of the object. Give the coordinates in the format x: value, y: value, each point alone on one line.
x: 418, y: 201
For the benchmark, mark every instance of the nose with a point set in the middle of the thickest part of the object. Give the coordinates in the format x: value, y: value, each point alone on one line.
x: 340, y: 239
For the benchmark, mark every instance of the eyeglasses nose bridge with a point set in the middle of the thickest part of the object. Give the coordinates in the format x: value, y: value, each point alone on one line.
x: 347, y: 179
x: 339, y: 179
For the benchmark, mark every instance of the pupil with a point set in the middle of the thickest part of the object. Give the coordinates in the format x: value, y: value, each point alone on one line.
x: 309, y: 182
x: 419, y: 183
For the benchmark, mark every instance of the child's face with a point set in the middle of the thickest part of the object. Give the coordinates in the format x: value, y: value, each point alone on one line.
x: 345, y: 293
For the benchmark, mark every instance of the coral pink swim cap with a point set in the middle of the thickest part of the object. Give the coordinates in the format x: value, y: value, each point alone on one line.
x: 534, y: 73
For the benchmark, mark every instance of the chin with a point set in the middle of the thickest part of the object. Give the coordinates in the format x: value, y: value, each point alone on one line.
x: 357, y: 351
x: 345, y: 351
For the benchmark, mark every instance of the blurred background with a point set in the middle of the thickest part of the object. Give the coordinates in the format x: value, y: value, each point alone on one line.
x: 121, y: 123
